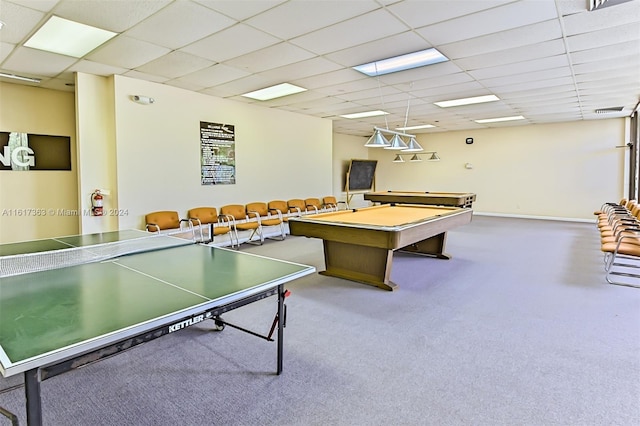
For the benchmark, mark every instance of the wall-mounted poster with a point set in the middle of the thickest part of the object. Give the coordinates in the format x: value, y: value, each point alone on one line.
x: 217, y: 153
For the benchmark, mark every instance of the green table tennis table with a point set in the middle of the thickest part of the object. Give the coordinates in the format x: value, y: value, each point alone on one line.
x: 66, y: 302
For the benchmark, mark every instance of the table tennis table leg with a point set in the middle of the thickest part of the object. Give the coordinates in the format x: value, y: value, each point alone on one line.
x: 281, y: 296
x: 32, y: 393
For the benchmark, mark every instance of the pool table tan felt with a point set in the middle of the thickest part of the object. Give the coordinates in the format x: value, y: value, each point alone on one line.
x: 454, y: 199
x: 359, y: 243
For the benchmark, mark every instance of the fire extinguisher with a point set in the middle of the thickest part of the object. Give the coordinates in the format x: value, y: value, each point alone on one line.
x: 96, y: 203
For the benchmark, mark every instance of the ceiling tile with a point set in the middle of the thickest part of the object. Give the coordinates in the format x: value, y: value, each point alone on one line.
x: 240, y: 10
x: 514, y: 55
x: 224, y: 44
x: 175, y: 64
x: 302, y: 69
x: 291, y: 19
x: 507, y: 17
x: 625, y: 13
x: 214, y: 75
x: 608, y: 37
x: 359, y: 30
x: 419, y: 13
x: 516, y: 49
x: 95, y: 68
x: 545, y: 35
x: 179, y: 24
x: 116, y: 16
x: 19, y: 22
x: 383, y: 48
x: 127, y: 52
x: 270, y: 57
x: 37, y: 62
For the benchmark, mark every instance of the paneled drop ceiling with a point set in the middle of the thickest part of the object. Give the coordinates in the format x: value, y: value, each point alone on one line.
x: 547, y: 60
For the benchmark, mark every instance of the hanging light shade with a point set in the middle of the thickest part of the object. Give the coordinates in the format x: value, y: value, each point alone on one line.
x: 377, y: 140
x: 415, y: 158
x: 396, y: 143
x: 434, y: 157
x: 413, y: 146
x: 398, y: 159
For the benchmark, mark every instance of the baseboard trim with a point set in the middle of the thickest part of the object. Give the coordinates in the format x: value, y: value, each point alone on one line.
x: 526, y: 216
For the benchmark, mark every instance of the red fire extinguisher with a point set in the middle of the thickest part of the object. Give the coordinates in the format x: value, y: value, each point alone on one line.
x: 96, y: 203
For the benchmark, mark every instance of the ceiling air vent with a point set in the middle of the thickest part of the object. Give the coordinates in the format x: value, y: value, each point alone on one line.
x: 609, y: 110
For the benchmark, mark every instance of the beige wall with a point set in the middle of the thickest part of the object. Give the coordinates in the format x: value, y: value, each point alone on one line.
x: 96, y: 151
x: 147, y: 156
x: 279, y: 155
x: 345, y: 148
x: 563, y: 170
x: 42, y: 203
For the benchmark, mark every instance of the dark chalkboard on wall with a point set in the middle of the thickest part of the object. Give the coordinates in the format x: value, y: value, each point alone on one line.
x: 361, y: 175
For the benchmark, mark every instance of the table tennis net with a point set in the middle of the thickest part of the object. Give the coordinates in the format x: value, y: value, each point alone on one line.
x: 74, y: 256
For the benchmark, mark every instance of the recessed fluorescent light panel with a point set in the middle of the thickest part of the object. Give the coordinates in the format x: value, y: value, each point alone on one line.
x: 467, y: 101
x: 69, y: 38
x: 19, y: 77
x: 365, y: 114
x: 499, y: 119
x: 402, y: 62
x: 423, y: 126
x: 273, y: 92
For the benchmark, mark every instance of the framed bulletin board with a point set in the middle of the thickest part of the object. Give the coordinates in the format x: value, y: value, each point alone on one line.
x: 360, y: 176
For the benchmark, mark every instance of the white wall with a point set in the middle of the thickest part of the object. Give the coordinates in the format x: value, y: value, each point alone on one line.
x: 346, y: 148
x: 38, y: 203
x: 96, y: 151
x: 563, y: 170
x: 279, y: 155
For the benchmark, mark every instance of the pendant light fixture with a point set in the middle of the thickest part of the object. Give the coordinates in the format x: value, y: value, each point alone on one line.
x: 377, y: 140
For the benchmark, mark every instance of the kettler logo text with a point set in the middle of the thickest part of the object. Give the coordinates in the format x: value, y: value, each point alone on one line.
x: 21, y: 156
x: 186, y: 323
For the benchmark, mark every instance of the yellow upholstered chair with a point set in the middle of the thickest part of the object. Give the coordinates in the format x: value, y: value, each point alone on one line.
x: 313, y: 205
x: 268, y: 217
x: 279, y: 207
x: 331, y: 203
x: 296, y: 207
x: 215, y: 224
x: 169, y: 222
x: 241, y: 220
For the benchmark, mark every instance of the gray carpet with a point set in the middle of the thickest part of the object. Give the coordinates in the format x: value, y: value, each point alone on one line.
x: 518, y: 328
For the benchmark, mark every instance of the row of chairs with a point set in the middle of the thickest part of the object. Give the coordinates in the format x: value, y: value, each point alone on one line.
x: 619, y: 227
x: 203, y: 224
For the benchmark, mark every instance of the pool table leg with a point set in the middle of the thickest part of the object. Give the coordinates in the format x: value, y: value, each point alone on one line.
x: 369, y: 265
x: 433, y: 246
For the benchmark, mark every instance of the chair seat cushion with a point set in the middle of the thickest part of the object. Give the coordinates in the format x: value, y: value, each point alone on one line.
x: 624, y: 248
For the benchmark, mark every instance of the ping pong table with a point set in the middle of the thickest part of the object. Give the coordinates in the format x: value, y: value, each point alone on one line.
x: 66, y: 302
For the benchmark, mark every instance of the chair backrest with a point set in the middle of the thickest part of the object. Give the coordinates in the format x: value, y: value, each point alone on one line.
x: 310, y: 203
x: 258, y: 207
x: 278, y: 205
x: 330, y: 201
x: 163, y: 219
x: 296, y: 205
x: 238, y: 211
x: 205, y: 214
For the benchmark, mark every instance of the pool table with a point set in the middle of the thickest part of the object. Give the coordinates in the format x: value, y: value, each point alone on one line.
x: 359, y: 243
x: 455, y: 199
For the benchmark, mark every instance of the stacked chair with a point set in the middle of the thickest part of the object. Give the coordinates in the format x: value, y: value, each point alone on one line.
x: 619, y: 226
x: 215, y: 224
x: 296, y: 207
x: 250, y: 223
x: 243, y: 220
x: 268, y: 217
x: 330, y: 202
